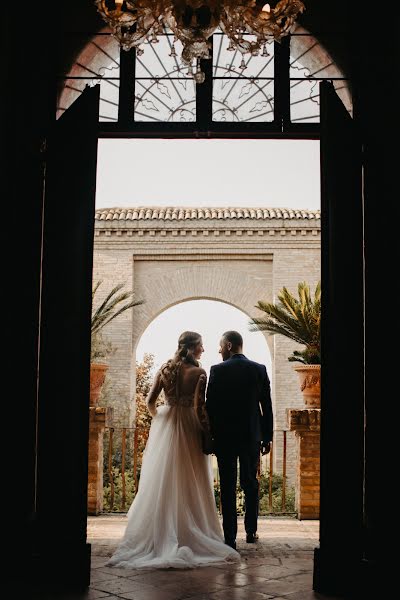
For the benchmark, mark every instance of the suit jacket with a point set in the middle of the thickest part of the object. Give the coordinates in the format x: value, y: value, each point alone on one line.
x: 239, y: 402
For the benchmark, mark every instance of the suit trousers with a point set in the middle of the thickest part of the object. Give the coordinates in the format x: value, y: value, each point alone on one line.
x: 248, y: 454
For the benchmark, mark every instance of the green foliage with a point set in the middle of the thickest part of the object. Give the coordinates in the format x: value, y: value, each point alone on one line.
x: 296, y: 319
x: 117, y: 451
x: 276, y: 488
x: 129, y: 491
x: 264, y: 506
x: 115, y: 303
x: 111, y: 307
x: 217, y: 495
x: 264, y: 503
x: 144, y: 380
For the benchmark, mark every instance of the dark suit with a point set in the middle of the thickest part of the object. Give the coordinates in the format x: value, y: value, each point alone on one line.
x: 240, y: 413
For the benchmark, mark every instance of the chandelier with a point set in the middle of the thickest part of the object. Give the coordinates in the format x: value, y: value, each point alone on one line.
x: 192, y: 22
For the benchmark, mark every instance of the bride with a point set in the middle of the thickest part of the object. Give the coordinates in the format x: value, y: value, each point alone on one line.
x: 173, y: 521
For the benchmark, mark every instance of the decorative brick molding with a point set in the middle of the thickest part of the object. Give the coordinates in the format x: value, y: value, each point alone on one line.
x: 203, y: 232
x: 306, y: 424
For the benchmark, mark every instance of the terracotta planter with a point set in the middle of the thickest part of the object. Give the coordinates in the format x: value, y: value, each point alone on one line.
x: 97, y: 375
x: 310, y: 384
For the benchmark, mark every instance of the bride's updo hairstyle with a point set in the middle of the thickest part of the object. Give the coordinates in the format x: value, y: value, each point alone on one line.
x: 187, y: 342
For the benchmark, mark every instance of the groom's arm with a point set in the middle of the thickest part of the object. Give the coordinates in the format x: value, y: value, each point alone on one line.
x: 211, y: 398
x: 266, y: 407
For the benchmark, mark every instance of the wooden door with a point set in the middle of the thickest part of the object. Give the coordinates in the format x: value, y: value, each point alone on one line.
x: 342, y: 349
x: 64, y: 363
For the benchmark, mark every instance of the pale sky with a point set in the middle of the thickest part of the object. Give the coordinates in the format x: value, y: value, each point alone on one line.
x: 270, y: 173
x: 209, y: 318
x: 145, y: 172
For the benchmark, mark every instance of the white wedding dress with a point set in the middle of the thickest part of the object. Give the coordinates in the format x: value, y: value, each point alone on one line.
x: 173, y: 521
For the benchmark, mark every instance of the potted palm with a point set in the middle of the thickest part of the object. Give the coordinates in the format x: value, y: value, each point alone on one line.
x: 115, y: 303
x: 298, y: 319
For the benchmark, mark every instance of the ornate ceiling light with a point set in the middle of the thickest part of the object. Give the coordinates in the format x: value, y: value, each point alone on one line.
x: 192, y: 22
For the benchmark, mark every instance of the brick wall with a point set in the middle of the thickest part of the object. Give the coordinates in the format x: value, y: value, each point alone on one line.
x: 114, y: 266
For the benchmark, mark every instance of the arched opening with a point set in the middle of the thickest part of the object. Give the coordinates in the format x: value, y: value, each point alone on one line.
x: 211, y: 318
x: 208, y: 317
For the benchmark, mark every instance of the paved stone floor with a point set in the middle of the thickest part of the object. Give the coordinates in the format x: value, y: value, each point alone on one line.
x: 279, y: 566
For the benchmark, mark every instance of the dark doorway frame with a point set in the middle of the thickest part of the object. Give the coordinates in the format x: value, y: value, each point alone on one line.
x: 204, y: 128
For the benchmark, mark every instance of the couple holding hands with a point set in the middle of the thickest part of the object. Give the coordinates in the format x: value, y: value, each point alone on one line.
x: 173, y: 520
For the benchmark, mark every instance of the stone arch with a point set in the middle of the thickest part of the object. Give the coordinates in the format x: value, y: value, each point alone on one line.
x: 265, y: 343
x: 231, y: 280
x: 268, y: 340
x: 149, y: 311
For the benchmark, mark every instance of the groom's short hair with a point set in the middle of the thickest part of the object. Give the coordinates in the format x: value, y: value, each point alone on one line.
x: 234, y: 338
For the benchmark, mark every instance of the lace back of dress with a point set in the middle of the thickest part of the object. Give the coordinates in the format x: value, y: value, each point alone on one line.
x: 170, y: 373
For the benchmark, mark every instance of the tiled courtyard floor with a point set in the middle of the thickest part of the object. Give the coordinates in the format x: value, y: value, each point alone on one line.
x: 279, y: 566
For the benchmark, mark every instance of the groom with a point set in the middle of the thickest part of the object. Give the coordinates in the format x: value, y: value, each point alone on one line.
x: 240, y: 414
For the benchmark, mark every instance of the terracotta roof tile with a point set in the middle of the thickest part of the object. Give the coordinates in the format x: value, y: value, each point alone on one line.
x: 166, y: 213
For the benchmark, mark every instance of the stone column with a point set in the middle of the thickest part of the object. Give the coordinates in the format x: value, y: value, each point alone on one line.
x: 99, y: 418
x: 305, y: 423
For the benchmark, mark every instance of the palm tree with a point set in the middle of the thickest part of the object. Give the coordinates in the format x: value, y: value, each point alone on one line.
x: 111, y: 307
x: 296, y: 319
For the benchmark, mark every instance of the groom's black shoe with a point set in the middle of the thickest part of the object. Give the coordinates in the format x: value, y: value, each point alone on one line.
x: 251, y: 538
x: 231, y: 543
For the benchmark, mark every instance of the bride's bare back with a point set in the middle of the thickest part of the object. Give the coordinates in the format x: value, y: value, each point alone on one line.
x: 188, y: 378
x: 180, y: 388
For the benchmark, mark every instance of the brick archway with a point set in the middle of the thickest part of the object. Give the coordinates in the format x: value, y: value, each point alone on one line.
x: 222, y: 279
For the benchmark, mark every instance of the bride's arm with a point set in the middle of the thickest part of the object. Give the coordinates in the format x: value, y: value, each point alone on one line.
x: 153, y: 394
x: 200, y: 395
